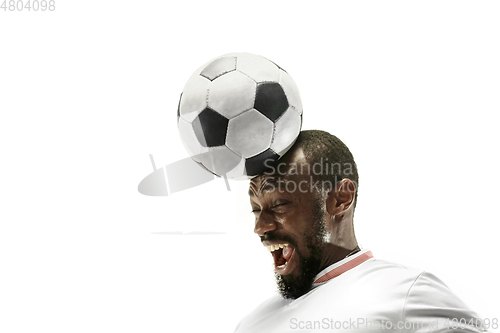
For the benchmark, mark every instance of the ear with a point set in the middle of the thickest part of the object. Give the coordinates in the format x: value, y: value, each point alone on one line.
x: 341, y: 198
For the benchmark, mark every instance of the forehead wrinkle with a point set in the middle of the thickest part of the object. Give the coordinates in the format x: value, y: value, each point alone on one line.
x: 266, y: 185
x: 263, y: 184
x: 251, y: 189
x: 267, y: 188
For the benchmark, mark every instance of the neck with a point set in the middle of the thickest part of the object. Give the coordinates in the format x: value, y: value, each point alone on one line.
x: 333, y: 254
x: 340, y: 240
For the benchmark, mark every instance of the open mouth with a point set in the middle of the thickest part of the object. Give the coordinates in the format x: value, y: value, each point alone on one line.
x: 282, y: 254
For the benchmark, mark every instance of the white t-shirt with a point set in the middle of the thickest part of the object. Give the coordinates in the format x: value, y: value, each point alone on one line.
x: 364, y: 294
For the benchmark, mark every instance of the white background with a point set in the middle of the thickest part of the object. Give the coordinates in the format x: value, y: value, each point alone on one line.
x: 89, y: 90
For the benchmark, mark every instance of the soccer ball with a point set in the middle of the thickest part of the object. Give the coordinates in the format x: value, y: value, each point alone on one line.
x: 238, y: 113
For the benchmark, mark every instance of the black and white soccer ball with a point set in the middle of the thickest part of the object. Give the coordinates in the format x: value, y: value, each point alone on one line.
x: 238, y: 113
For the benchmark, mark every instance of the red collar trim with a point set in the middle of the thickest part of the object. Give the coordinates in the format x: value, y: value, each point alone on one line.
x: 342, y: 266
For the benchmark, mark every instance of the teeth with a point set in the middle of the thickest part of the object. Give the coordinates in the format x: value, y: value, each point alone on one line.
x: 272, y: 248
x: 282, y: 266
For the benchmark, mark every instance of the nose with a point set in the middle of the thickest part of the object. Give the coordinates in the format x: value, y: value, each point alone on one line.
x: 264, y: 223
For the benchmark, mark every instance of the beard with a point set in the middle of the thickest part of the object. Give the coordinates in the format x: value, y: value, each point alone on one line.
x: 292, y: 287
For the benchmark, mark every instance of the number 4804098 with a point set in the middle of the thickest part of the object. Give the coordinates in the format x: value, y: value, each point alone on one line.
x: 28, y: 5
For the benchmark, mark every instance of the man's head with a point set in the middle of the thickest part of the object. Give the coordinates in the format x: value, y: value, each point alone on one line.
x: 304, y: 205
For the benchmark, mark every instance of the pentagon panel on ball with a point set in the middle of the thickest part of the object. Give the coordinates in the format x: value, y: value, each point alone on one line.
x: 238, y: 113
x: 210, y: 128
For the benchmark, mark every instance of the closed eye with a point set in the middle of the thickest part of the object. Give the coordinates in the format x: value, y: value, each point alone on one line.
x: 280, y: 202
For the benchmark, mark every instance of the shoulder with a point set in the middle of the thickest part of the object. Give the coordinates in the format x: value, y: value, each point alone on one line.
x: 374, y: 288
x: 378, y: 275
x: 429, y: 289
x: 430, y: 304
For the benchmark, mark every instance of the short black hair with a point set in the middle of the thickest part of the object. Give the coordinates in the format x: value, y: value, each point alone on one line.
x: 325, y: 148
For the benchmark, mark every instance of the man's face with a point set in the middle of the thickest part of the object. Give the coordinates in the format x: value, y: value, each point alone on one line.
x: 290, y: 217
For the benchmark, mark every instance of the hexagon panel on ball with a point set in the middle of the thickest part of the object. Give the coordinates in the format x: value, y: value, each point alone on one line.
x: 249, y: 133
x: 232, y: 94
